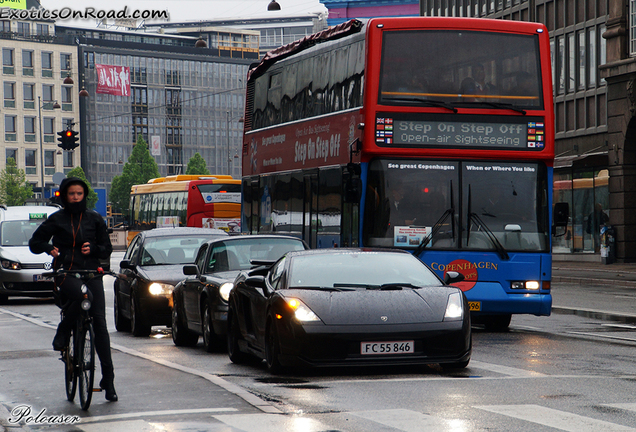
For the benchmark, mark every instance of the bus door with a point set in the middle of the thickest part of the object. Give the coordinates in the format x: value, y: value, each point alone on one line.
x: 254, y: 205
x: 310, y: 209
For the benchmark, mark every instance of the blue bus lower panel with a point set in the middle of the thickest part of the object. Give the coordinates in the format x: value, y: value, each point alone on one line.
x: 494, y: 300
x: 489, y: 279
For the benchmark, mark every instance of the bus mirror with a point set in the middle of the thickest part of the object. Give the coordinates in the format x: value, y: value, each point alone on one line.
x: 561, y: 214
x: 353, y: 190
x: 560, y: 218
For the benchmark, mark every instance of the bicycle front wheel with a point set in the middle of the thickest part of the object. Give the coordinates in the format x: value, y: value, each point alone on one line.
x: 70, y: 378
x: 86, y: 368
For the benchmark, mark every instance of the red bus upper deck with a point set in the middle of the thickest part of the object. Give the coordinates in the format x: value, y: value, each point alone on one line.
x: 435, y: 135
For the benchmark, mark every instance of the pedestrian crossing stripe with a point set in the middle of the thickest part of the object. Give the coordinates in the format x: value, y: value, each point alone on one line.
x: 272, y: 423
x: 554, y: 418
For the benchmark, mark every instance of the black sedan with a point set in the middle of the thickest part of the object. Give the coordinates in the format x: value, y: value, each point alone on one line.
x: 153, y: 266
x: 341, y: 307
x: 200, y: 300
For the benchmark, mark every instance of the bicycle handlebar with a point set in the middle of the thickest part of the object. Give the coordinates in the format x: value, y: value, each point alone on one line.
x: 84, y: 274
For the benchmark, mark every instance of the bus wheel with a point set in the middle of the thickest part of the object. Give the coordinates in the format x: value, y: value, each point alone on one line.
x: 497, y: 323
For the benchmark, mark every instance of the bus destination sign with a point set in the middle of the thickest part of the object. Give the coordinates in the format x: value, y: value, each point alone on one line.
x: 526, y: 135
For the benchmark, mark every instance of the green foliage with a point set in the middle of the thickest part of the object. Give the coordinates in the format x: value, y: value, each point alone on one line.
x: 92, y: 198
x: 14, y: 189
x: 139, y: 168
x: 197, y: 165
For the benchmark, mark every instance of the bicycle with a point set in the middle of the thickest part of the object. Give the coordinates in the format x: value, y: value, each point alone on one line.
x: 79, y: 354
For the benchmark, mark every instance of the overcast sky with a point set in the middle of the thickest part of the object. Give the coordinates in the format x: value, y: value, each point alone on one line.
x: 190, y: 10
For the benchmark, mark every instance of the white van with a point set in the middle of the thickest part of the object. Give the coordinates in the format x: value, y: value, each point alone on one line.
x: 20, y: 269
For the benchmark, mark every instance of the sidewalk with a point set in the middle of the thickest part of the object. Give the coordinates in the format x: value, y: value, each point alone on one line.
x: 594, y: 289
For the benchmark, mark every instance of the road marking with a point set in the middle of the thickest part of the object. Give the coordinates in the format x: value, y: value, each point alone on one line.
x: 104, y: 418
x: 625, y: 406
x: 554, y: 418
x: 505, y: 370
x: 272, y: 423
x: 405, y: 420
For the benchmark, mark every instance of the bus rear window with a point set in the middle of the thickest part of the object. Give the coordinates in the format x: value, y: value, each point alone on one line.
x: 461, y: 68
x: 218, y: 193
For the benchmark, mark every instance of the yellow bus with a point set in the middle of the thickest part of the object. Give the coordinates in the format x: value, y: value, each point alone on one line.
x: 208, y: 201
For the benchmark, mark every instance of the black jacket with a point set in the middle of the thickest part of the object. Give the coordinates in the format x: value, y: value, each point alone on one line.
x: 69, y: 234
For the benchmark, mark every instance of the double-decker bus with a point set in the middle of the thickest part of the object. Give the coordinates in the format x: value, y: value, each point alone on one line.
x: 209, y: 201
x: 434, y: 135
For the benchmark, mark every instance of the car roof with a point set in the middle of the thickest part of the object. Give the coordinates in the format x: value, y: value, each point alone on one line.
x: 254, y: 236
x: 179, y: 231
x: 24, y: 212
x: 336, y: 251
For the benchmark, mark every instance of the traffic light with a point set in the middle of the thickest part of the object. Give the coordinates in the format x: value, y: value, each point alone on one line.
x: 55, y: 197
x: 68, y: 139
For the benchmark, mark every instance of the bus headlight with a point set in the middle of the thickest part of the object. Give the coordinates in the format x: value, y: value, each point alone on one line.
x: 225, y: 289
x: 158, y: 288
x: 528, y: 285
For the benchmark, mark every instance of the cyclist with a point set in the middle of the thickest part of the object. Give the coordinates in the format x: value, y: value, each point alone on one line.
x: 80, y: 240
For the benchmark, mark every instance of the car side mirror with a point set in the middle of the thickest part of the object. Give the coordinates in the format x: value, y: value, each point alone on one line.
x: 257, y: 281
x: 190, y: 270
x: 126, y: 264
x: 452, y: 277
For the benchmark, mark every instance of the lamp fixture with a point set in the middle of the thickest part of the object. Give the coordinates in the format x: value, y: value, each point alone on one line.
x: 273, y: 6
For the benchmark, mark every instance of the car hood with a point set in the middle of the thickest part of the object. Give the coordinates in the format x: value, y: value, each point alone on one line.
x: 170, y: 274
x: 23, y: 254
x: 367, y: 307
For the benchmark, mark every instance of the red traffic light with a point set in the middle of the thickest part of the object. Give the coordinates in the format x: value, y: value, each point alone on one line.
x: 56, y: 193
x: 69, y: 133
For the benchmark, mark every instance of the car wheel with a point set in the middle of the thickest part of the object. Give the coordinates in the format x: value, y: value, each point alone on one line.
x: 122, y: 324
x: 233, y: 337
x: 272, y: 349
x: 210, y: 339
x: 181, y: 335
x: 497, y: 323
x: 137, y: 324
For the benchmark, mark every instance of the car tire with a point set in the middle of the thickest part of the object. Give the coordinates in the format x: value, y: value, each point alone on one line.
x: 497, y: 323
x: 211, y: 341
x: 138, y: 326
x: 4, y: 298
x: 272, y: 349
x: 122, y: 324
x: 181, y: 335
x: 233, y: 337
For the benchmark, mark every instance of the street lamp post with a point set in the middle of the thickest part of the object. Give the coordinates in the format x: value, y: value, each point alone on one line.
x: 55, y: 106
x: 227, y: 131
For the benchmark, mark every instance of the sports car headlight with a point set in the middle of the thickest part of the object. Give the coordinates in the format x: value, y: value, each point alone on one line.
x: 225, y: 289
x: 11, y: 265
x: 454, y: 306
x: 158, y: 288
x: 301, y: 311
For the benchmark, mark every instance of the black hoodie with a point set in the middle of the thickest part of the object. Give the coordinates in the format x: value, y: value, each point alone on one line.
x: 70, y: 228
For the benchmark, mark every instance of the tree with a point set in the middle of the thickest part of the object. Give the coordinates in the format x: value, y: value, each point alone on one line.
x: 14, y: 189
x: 92, y: 197
x: 139, y: 168
x: 197, y: 165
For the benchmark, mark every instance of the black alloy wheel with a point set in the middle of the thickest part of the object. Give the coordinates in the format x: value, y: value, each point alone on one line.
x: 181, y: 335
x: 210, y: 339
x: 272, y: 348
x: 137, y: 324
x: 122, y: 324
x: 233, y: 336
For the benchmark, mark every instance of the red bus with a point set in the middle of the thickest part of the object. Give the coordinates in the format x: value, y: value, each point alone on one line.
x: 210, y: 201
x: 434, y: 135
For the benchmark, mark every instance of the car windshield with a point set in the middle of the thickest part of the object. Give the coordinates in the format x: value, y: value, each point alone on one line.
x: 18, y: 233
x: 171, y: 250
x: 236, y: 254
x: 359, y: 269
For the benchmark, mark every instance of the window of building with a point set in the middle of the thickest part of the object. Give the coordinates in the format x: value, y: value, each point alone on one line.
x: 11, y: 153
x: 30, y: 161
x: 10, y: 124
x: 28, y: 92
x: 27, y: 59
x: 9, y: 94
x: 65, y: 62
x: 68, y: 159
x: 67, y: 94
x: 7, y: 61
x: 632, y: 28
x: 47, y: 93
x: 29, y: 125
x: 49, y: 162
x: 47, y: 64
x: 42, y: 29
x: 5, y: 26
x: 24, y: 28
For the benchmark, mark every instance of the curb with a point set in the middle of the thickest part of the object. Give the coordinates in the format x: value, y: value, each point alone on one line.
x: 600, y: 315
x: 588, y: 281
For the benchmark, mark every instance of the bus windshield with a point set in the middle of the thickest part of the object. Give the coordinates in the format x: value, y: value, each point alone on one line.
x: 465, y: 201
x: 460, y: 68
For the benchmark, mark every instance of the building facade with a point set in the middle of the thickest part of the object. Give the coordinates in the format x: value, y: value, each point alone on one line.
x: 180, y: 98
x: 39, y: 100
